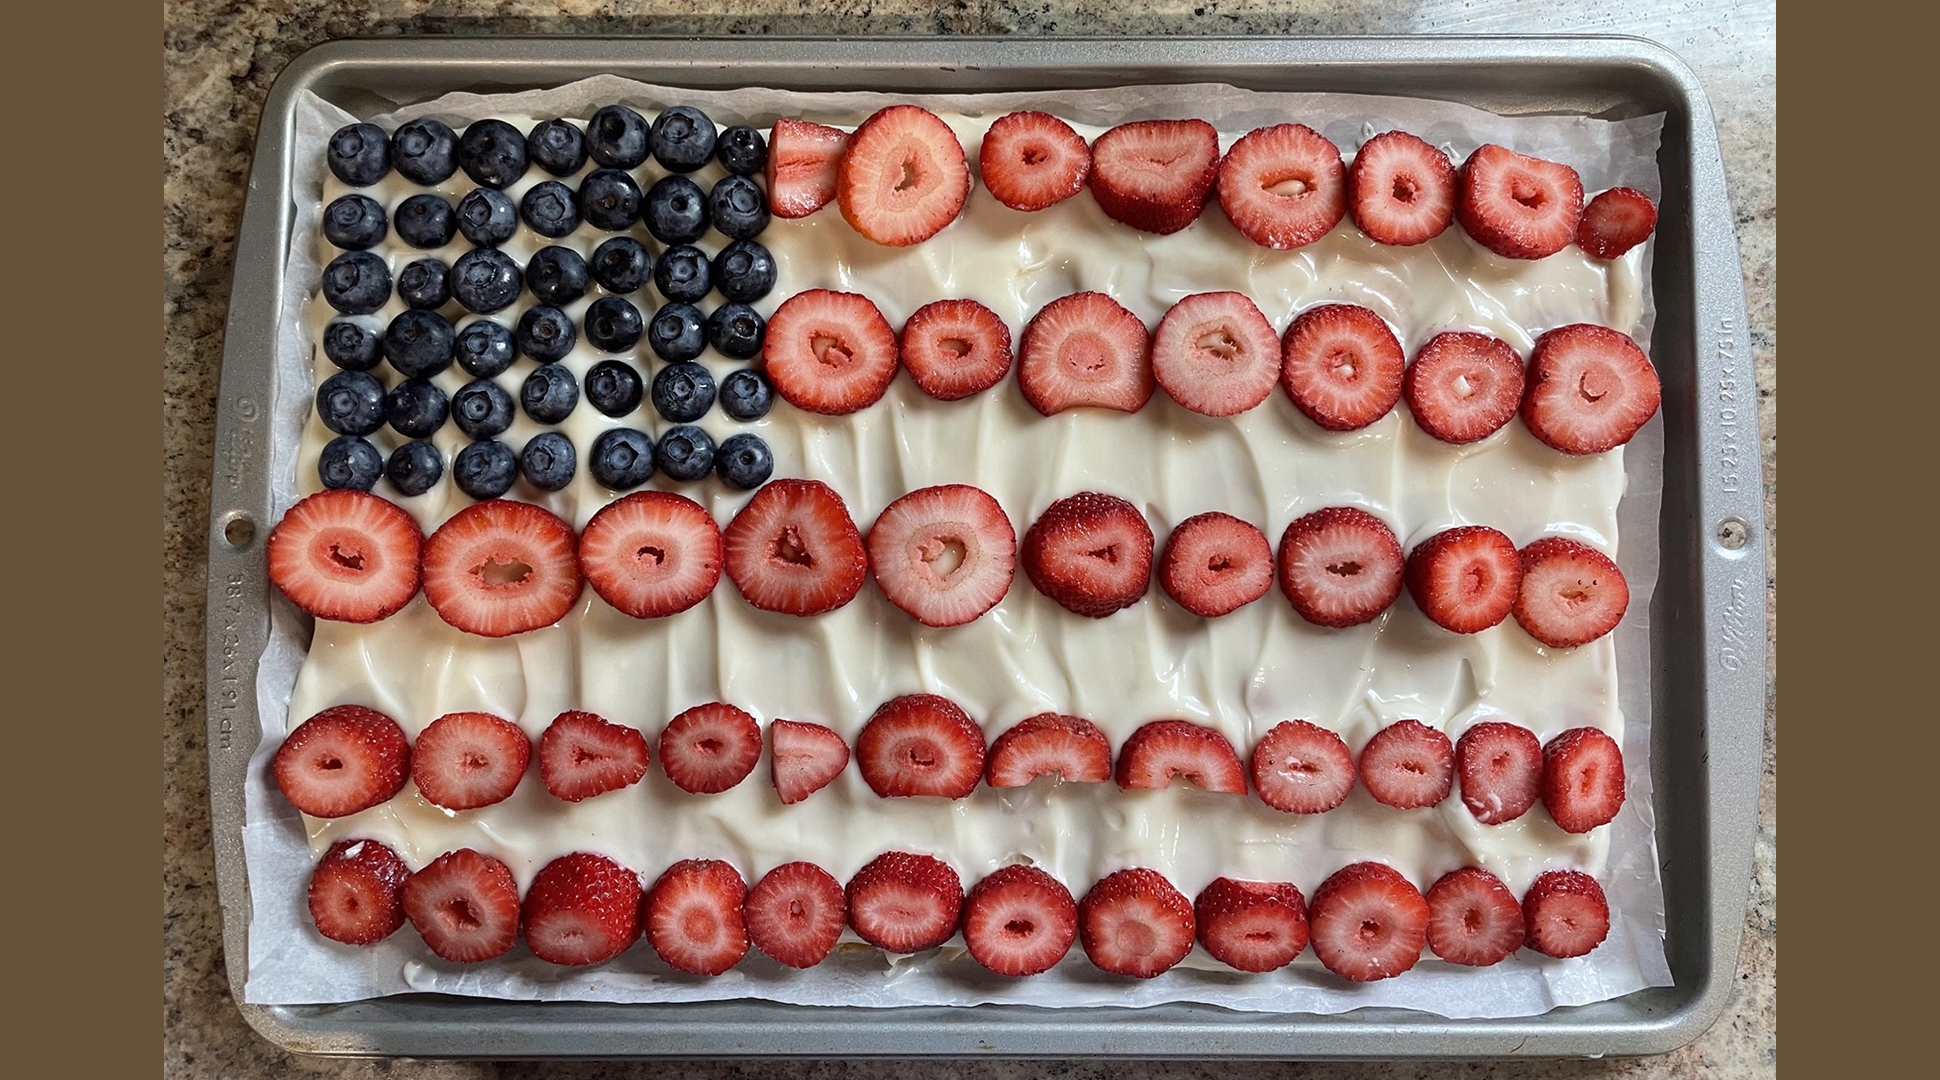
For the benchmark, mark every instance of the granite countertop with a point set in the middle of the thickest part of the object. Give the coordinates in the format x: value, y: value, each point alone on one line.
x: 220, y: 57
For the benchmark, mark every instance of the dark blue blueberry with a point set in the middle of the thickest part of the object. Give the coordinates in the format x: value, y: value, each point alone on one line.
x: 613, y: 325
x: 352, y: 345
x: 356, y: 283
x: 622, y: 458
x: 616, y: 137
x: 614, y: 387
x: 746, y: 394
x: 685, y: 453
x: 349, y: 462
x: 683, y: 273
x: 683, y: 392
x: 735, y: 330
x: 676, y: 210
x: 683, y: 138
x: 482, y: 409
x: 556, y: 146
x: 738, y: 208
x: 426, y: 221
x: 485, y: 469
x: 416, y: 408
x: 425, y: 151
x: 487, y: 217
x: 485, y: 280
x: 744, y: 462
x: 415, y: 468
x: 621, y: 264
x: 744, y: 271
x: 354, y: 222
x: 351, y: 403
x: 545, y: 334
x: 419, y: 344
x: 741, y: 150
x: 675, y: 334
x: 486, y: 348
x: 548, y: 207
x: 556, y: 275
x: 549, y: 394
x: 609, y: 200
x: 424, y: 283
x: 492, y: 153
x: 360, y: 154
x: 548, y: 460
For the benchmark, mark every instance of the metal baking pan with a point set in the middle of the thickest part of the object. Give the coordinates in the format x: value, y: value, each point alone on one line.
x: 1707, y: 615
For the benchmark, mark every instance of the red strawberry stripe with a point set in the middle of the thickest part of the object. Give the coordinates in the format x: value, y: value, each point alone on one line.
x: 499, y: 567
x: 356, y: 893
x: 902, y: 177
x: 1590, y: 389
x: 804, y: 759
x: 1091, y: 553
x: 794, y: 549
x: 1473, y: 919
x: 1566, y: 914
x: 1032, y: 160
x: 466, y: 760
x: 921, y: 744
x: 341, y: 761
x: 796, y: 913
x: 1155, y: 175
x: 1408, y: 765
x: 1340, y: 566
x: 1302, y: 768
x: 345, y: 555
x: 1571, y: 593
x: 1085, y: 349
x: 1019, y: 921
x: 829, y: 352
x: 1463, y: 387
x: 1216, y: 354
x: 1368, y: 922
x: 1616, y: 221
x: 1165, y: 750
x: 1501, y: 769
x: 1583, y: 779
x: 1517, y: 206
x: 802, y: 164
x: 582, y: 755
x: 1465, y: 579
x: 1133, y: 922
x: 1074, y: 750
x: 943, y: 554
x: 955, y: 348
x: 1251, y: 925
x: 710, y: 748
x: 1341, y: 366
x: 1283, y: 186
x: 1401, y: 190
x: 582, y: 908
x: 651, y: 554
x: 1215, y: 564
x: 905, y: 902
x: 693, y: 917
x: 465, y: 905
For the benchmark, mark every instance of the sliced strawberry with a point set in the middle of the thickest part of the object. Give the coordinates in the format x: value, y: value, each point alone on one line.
x: 943, y: 554
x: 1085, y: 349
x: 1501, y: 767
x: 804, y: 759
x: 795, y: 550
x: 1517, y: 206
x: 1155, y: 174
x: 1408, y: 765
x: 345, y: 555
x: 921, y: 744
x: 1216, y: 354
x: 342, y: 760
x: 1616, y: 221
x: 1342, y: 366
x: 1019, y: 921
x: 1302, y: 768
x: 582, y: 908
x: 903, y: 176
x: 1368, y: 922
x: 905, y: 902
x: 1090, y: 552
x: 955, y: 348
x: 651, y: 554
x: 1251, y: 925
x: 1340, y: 566
x: 829, y: 352
x: 1133, y: 922
x: 1583, y: 779
x: 1571, y: 593
x: 1401, y: 190
x: 693, y: 917
x: 357, y: 892
x: 1465, y: 579
x: 1473, y: 919
x: 1215, y: 563
x: 796, y: 913
x: 465, y: 905
x: 710, y: 748
x: 582, y: 755
x: 1164, y: 750
x: 1590, y: 389
x: 1031, y: 160
x: 1284, y: 186
x: 1463, y: 387
x: 802, y: 165
x: 1049, y: 744
x: 498, y: 568
x: 1566, y: 914
x: 465, y: 760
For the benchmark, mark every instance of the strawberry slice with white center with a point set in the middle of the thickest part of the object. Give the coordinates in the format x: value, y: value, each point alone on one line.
x: 804, y: 758
x: 693, y: 918
x: 1342, y: 366
x: 955, y: 348
x: 1251, y: 925
x: 1401, y: 190
x: 1616, y: 221
x: 1134, y: 922
x: 1090, y: 552
x: 1284, y: 186
x: 651, y: 554
x: 829, y: 352
x: 943, y: 554
x: 710, y: 748
x: 1465, y: 579
x: 1049, y: 744
x: 1216, y: 354
x: 1215, y: 564
x: 1571, y: 593
x: 802, y: 162
x: 1340, y: 566
x: 1368, y: 922
x: 1590, y: 389
x: 1408, y: 765
x: 1165, y: 750
x: 1501, y: 770
x: 356, y: 892
x: 498, y: 568
x: 903, y: 176
x: 1565, y: 913
x: 581, y: 908
x: 1517, y: 206
x: 921, y: 744
x: 341, y: 761
x: 1302, y: 768
x: 345, y: 555
x: 794, y: 549
x: 1583, y: 779
x: 1463, y: 387
x: 465, y: 905
x: 1032, y: 160
x: 582, y: 755
x: 1019, y: 921
x: 1085, y: 349
x: 1473, y: 918
x: 796, y: 913
x: 905, y: 902
x: 465, y: 760
x: 1154, y: 175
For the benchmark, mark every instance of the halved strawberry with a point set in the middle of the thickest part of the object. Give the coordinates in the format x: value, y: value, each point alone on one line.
x: 1340, y: 566
x: 710, y: 748
x: 1085, y: 349
x: 345, y: 555
x: 1501, y: 768
x: 465, y: 905
x: 582, y: 755
x: 802, y: 163
x: 1216, y: 354
x: 1473, y: 919
x: 1463, y: 387
x: 1368, y: 922
x: 341, y: 761
x: 943, y: 554
x: 498, y: 568
x: 955, y: 348
x: 1517, y: 206
x: 796, y: 913
x: 1590, y: 389
x: 1408, y: 765
x: 1251, y: 925
x: 794, y: 549
x: 829, y: 352
x: 356, y: 892
x: 1090, y: 552
x: 1465, y: 579
x: 1161, y: 751
x: 1215, y: 563
x: 1571, y: 593
x: 465, y: 760
x: 1031, y: 160
x: 903, y: 176
x: 1566, y: 914
x: 652, y: 553
x: 905, y: 902
x: 1049, y: 744
x: 1284, y: 186
x: 1133, y: 922
x: 581, y: 908
x: 1341, y: 366
x: 1401, y: 190
x: 1616, y: 221
x: 1302, y: 768
x: 804, y: 758
x: 1583, y: 779
x: 1019, y: 921
x: 693, y: 916
x: 921, y: 744
x: 1155, y: 174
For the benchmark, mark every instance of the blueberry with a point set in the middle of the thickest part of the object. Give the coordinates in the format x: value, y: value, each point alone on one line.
x: 735, y: 330
x: 426, y: 221
x: 556, y: 146
x: 487, y: 217
x: 744, y: 271
x: 545, y: 334
x: 492, y: 153
x: 741, y: 150
x: 685, y: 453
x: 683, y: 273
x: 616, y: 137
x: 548, y: 460
x: 419, y: 344
x: 549, y: 394
x: 621, y: 264
x: 485, y: 348
x: 622, y: 458
x: 676, y: 210
x: 738, y: 208
x: 351, y: 403
x: 746, y: 394
x: 485, y: 280
x: 360, y: 154
x: 424, y: 284
x: 485, y: 469
x: 425, y: 151
x: 614, y: 387
x: 354, y: 222
x: 683, y: 138
x: 556, y: 275
x: 352, y: 345
x: 356, y: 283
x: 744, y: 462
x: 482, y: 409
x: 548, y: 207
x: 415, y: 468
x: 349, y: 462
x: 416, y: 408
x: 613, y: 325
x: 609, y: 200
x: 683, y: 392
x: 675, y: 333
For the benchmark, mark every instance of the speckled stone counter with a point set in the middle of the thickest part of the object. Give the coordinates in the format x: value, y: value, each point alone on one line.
x: 220, y: 57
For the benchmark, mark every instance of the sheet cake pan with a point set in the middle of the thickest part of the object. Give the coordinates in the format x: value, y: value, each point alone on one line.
x: 1707, y: 617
